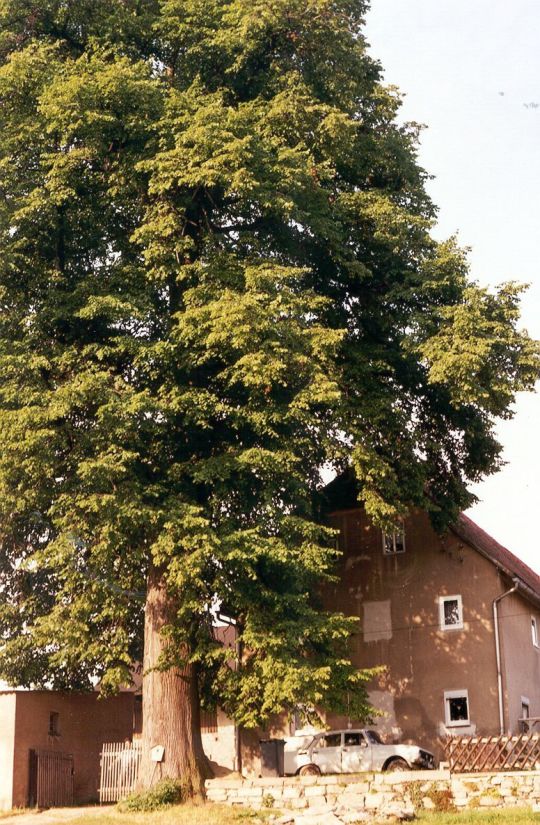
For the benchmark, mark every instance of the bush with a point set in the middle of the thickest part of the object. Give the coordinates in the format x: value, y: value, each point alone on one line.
x: 167, y: 792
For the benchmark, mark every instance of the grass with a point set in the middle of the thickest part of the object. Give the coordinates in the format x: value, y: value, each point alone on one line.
x: 188, y: 814
x: 212, y: 814
x: 508, y: 816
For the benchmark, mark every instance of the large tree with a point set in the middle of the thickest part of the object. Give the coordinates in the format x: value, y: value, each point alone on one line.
x: 217, y: 278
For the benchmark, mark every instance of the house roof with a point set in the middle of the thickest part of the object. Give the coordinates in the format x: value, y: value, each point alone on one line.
x: 466, y: 529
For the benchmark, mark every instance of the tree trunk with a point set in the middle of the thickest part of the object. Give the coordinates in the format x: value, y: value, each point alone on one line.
x: 171, y: 714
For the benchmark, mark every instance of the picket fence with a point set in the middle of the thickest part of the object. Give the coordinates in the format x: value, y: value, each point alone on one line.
x: 120, y: 763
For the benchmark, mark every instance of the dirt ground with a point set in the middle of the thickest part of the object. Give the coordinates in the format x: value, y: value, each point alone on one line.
x: 51, y: 816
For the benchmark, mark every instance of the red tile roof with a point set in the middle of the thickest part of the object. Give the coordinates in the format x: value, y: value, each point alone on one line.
x: 466, y: 529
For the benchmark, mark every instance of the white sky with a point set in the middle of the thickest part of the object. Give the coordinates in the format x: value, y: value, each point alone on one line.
x: 470, y: 70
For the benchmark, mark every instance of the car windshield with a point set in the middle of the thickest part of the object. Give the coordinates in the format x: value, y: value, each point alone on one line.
x: 374, y: 737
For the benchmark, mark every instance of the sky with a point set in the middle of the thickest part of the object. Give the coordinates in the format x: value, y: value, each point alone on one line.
x: 470, y: 71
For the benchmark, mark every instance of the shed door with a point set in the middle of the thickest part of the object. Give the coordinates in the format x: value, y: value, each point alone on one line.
x: 51, y: 779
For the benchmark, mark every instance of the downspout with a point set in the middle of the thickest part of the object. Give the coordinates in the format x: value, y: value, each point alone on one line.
x: 498, y: 651
x: 238, y: 728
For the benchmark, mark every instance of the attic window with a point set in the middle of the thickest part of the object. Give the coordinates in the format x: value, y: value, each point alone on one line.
x: 393, y: 542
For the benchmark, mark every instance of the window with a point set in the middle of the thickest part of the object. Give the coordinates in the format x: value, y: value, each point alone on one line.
x: 355, y: 740
x: 534, y: 631
x: 525, y: 714
x: 54, y: 719
x: 331, y: 740
x: 393, y: 542
x: 450, y: 612
x: 456, y: 708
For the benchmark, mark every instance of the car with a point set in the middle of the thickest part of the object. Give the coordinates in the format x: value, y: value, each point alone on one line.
x: 351, y: 751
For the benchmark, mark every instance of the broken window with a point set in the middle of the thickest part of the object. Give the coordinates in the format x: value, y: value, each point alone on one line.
x: 456, y: 706
x: 393, y: 542
x: 450, y: 612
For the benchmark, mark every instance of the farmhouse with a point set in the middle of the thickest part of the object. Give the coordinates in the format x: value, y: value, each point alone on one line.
x: 454, y: 620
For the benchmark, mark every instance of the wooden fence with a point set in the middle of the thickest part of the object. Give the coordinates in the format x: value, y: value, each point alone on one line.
x: 51, y: 779
x: 119, y: 770
x: 467, y: 754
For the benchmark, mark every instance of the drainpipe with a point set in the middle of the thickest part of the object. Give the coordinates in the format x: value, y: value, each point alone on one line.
x: 498, y: 651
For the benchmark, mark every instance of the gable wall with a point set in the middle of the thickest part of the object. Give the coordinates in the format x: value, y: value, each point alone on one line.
x: 396, y: 599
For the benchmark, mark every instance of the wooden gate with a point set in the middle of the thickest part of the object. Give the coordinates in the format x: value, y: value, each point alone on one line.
x: 120, y: 763
x: 51, y: 779
x: 493, y: 753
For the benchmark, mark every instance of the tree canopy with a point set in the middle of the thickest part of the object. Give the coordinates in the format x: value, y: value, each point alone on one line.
x: 217, y: 278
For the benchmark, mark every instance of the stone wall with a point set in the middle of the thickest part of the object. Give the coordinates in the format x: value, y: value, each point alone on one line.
x: 369, y: 792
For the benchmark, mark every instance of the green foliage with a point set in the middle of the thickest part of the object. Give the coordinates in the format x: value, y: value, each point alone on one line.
x: 164, y: 793
x: 442, y: 798
x: 216, y: 278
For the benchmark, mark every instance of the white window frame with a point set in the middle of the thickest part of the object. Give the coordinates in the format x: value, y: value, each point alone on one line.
x: 534, y: 632
x: 525, y: 714
x: 456, y: 694
x: 442, y: 625
x: 393, y: 535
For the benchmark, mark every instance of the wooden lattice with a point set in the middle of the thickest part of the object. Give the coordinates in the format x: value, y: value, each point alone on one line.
x: 468, y: 754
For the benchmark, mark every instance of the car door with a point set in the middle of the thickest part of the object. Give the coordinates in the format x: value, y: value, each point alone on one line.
x: 356, y: 752
x: 326, y: 752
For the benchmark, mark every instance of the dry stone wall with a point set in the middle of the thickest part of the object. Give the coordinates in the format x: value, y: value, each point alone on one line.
x: 388, y: 793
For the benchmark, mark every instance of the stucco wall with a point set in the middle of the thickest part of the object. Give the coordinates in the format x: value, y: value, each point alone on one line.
x: 84, y: 723
x: 396, y: 599
x: 520, y: 657
x: 220, y: 747
x: 7, y: 735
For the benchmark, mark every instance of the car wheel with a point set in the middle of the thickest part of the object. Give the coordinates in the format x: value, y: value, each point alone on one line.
x: 397, y: 765
x: 309, y: 770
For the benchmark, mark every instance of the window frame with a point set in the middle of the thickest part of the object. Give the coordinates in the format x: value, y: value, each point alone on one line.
x: 534, y: 632
x: 442, y: 624
x: 456, y: 694
x: 329, y: 734
x: 525, y: 714
x: 393, y: 535
x: 54, y: 723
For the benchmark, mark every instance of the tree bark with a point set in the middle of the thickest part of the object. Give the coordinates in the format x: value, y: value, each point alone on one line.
x: 171, y: 711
